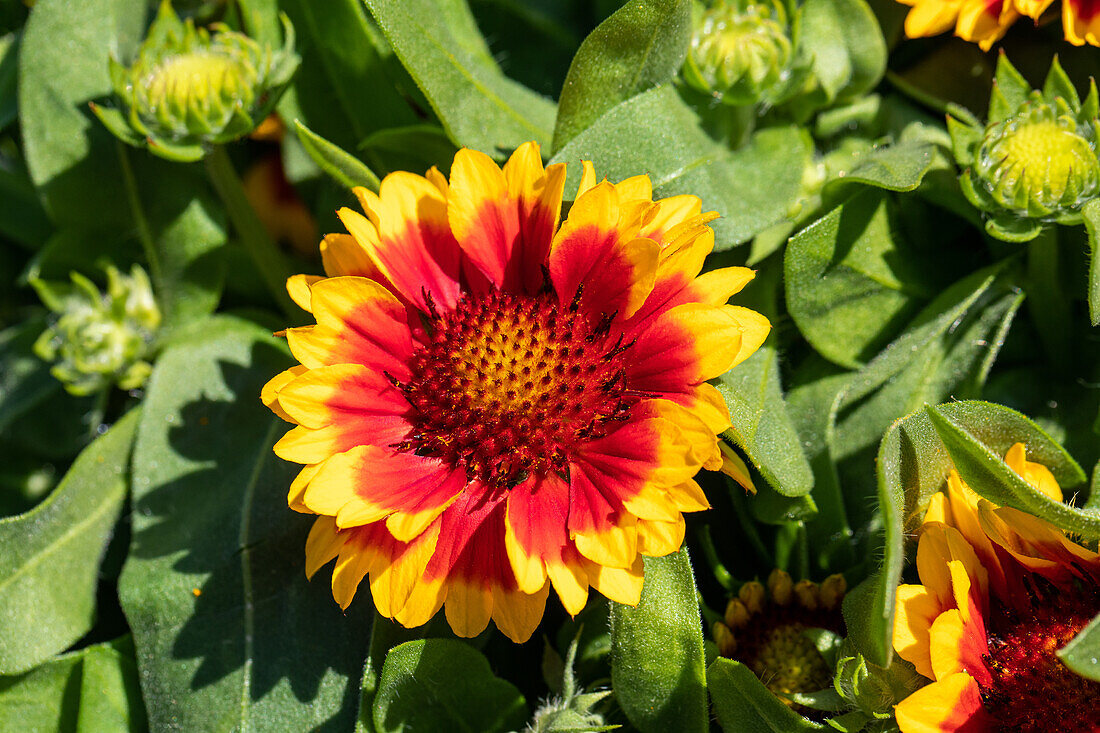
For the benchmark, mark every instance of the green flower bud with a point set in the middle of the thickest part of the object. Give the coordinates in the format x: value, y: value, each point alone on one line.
x: 739, y: 53
x: 190, y: 87
x: 1035, y: 160
x: 99, y: 339
x: 872, y: 689
x: 1040, y: 161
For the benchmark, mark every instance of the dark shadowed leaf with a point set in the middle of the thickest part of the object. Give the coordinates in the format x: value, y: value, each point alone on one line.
x: 229, y: 633
x: 94, y: 689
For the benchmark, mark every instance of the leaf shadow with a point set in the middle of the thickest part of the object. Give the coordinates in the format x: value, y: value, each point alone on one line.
x: 254, y: 620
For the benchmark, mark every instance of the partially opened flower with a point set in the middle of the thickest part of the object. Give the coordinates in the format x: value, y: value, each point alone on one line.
x: 1002, y: 591
x: 491, y: 403
x: 765, y: 629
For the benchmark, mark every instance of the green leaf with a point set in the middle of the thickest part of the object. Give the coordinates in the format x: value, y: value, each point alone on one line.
x: 479, y: 107
x: 9, y: 60
x: 411, y: 148
x: 1082, y: 653
x: 958, y: 335
x: 94, y: 689
x: 978, y: 434
x: 1091, y: 215
x: 49, y: 557
x: 845, y: 41
x: 657, y: 665
x: 761, y: 426
x: 745, y: 705
x: 442, y: 684
x: 349, y: 84
x: 71, y: 157
x: 344, y: 167
x: 640, y: 46
x: 852, y: 277
x: 228, y: 631
x: 752, y: 188
x: 898, y: 167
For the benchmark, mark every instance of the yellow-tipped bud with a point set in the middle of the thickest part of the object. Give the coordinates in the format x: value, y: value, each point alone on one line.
x: 752, y: 594
x: 833, y: 589
x: 780, y: 586
x: 737, y: 615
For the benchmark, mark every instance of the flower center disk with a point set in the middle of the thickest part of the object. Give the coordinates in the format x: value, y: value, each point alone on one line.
x: 507, y: 386
x: 1032, y: 690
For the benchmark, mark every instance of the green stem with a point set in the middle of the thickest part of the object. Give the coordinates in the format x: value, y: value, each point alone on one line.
x: 385, y: 635
x: 145, y: 234
x: 1048, y: 306
x: 270, y: 262
x: 99, y: 411
x: 710, y: 554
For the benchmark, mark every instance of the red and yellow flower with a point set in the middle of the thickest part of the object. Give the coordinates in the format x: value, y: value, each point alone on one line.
x: 493, y: 401
x: 1001, y: 592
x: 985, y: 21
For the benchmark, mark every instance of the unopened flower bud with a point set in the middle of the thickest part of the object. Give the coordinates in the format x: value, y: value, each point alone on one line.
x: 737, y: 53
x: 1040, y: 161
x: 99, y: 339
x: 191, y: 87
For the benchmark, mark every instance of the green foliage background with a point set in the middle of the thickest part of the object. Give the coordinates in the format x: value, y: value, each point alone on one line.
x: 150, y: 573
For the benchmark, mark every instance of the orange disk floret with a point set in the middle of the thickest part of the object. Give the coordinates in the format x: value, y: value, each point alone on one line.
x: 1002, y: 591
x: 494, y: 402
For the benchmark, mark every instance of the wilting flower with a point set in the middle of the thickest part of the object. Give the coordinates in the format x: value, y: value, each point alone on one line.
x: 99, y: 339
x: 190, y: 88
x: 986, y: 21
x: 491, y: 403
x: 765, y: 629
x: 1001, y: 592
x: 1034, y: 161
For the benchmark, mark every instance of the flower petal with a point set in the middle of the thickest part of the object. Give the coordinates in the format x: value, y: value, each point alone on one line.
x: 915, y: 611
x: 950, y: 705
x: 591, y: 248
x: 408, y: 238
x: 358, y: 322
